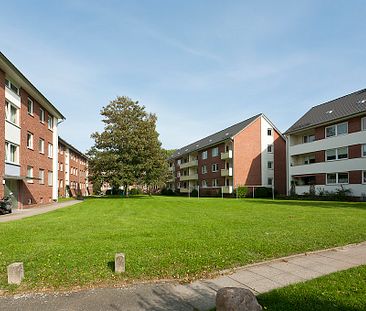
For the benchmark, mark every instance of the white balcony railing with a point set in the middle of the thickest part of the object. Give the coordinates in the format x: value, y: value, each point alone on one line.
x: 227, y: 172
x: 189, y: 177
x: 227, y: 189
x: 227, y: 155
x: 189, y: 164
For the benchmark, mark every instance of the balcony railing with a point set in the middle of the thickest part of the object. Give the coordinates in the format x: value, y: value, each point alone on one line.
x: 227, y: 172
x: 184, y: 190
x: 189, y: 164
x: 227, y: 155
x: 227, y: 189
x: 189, y: 177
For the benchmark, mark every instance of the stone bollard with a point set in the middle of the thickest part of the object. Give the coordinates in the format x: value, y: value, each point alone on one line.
x: 119, y: 263
x: 15, y: 273
x: 236, y: 299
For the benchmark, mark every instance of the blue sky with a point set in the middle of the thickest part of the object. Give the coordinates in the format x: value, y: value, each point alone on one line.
x: 199, y: 65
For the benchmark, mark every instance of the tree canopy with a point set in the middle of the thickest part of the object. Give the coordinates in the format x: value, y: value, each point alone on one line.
x: 128, y: 151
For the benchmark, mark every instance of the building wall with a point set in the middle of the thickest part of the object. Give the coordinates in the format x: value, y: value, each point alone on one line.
x: 247, y: 155
x: 32, y: 191
x: 2, y: 131
x: 279, y: 163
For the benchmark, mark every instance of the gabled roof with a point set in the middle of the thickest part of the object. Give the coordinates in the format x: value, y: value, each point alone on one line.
x: 65, y: 143
x: 19, y: 78
x: 345, y: 106
x: 214, y: 138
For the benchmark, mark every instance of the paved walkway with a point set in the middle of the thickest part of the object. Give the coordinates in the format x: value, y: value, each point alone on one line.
x: 23, y: 213
x: 199, y: 295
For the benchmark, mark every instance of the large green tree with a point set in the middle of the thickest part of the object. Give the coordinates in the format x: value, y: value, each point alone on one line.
x: 128, y: 151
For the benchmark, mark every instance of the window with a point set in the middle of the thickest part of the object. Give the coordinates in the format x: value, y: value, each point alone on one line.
x: 270, y: 181
x: 50, y: 150
x: 41, y: 115
x: 204, y: 184
x: 178, y: 162
x: 29, y: 140
x: 11, y: 153
x: 364, y: 177
x: 363, y: 124
x: 30, y: 174
x: 215, y: 183
x: 269, y: 132
x: 204, y: 155
x: 337, y: 154
x: 61, y: 167
x: 204, y: 169
x: 270, y: 165
x: 308, y: 138
x: 309, y: 159
x: 11, y: 86
x: 50, y: 178
x: 337, y: 178
x: 30, y: 106
x: 215, y: 152
x: 270, y: 148
x: 215, y: 167
x: 11, y: 112
x: 337, y: 129
x: 50, y: 122
x: 41, y: 145
x: 363, y: 153
x: 178, y: 174
x: 61, y: 183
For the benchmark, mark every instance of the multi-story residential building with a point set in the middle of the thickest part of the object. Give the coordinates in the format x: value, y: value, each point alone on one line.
x: 250, y: 153
x: 72, y: 171
x: 28, y: 135
x: 327, y: 147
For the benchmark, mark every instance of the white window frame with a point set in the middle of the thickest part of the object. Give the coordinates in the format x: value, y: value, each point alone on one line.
x: 215, y: 183
x: 337, y: 179
x: 8, y: 114
x: 8, y: 156
x: 204, y: 183
x: 30, y: 174
x: 204, y: 155
x: 364, y: 177
x: 363, y: 150
x: 30, y: 141
x: 41, y: 144
x: 41, y: 176
x: 50, y: 122
x: 30, y: 101
x: 363, y: 124
x: 50, y: 178
x: 204, y: 169
x: 50, y: 150
x: 270, y: 148
x: 215, y: 152
x: 335, y: 130
x: 215, y: 167
x: 269, y: 131
x: 270, y: 165
x: 306, y: 138
x: 11, y: 86
x: 270, y: 181
x: 42, y: 115
x: 336, y: 154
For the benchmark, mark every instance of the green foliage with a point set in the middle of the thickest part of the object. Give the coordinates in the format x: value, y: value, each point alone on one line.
x: 135, y: 191
x: 343, y: 290
x: 194, y: 193
x: 263, y: 192
x: 158, y: 232
x: 128, y: 151
x: 242, y: 191
x: 167, y: 192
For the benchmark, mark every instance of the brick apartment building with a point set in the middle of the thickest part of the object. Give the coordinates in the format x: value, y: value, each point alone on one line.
x: 250, y: 153
x: 29, y: 167
x: 327, y: 146
x: 72, y: 171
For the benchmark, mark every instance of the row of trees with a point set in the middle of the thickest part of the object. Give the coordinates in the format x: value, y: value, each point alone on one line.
x: 128, y: 151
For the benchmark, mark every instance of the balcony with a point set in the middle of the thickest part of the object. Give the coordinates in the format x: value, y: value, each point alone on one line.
x: 171, y: 179
x: 189, y: 164
x: 227, y: 155
x: 227, y: 189
x: 227, y: 172
x: 184, y: 190
x: 171, y: 168
x: 189, y: 177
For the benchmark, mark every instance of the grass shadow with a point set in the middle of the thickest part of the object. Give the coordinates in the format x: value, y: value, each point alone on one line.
x: 111, y: 265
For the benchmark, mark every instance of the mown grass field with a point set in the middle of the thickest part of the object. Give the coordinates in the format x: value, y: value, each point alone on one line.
x: 345, y: 290
x: 168, y: 237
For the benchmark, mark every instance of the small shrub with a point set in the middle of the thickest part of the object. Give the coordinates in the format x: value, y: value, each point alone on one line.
x: 263, y: 192
x: 167, y: 192
x: 135, y: 191
x: 242, y: 191
x: 312, y: 192
x: 194, y: 193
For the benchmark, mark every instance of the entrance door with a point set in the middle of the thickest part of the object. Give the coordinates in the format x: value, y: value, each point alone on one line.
x: 12, y: 185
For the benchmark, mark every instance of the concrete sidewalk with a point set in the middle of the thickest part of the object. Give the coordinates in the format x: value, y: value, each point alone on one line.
x: 23, y: 213
x: 199, y: 295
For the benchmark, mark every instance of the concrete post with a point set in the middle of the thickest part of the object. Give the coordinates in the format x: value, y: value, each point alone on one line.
x: 119, y: 263
x: 15, y: 273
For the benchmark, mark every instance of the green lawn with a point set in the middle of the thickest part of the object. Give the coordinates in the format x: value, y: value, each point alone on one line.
x: 168, y: 237
x: 60, y: 200
x: 344, y: 291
